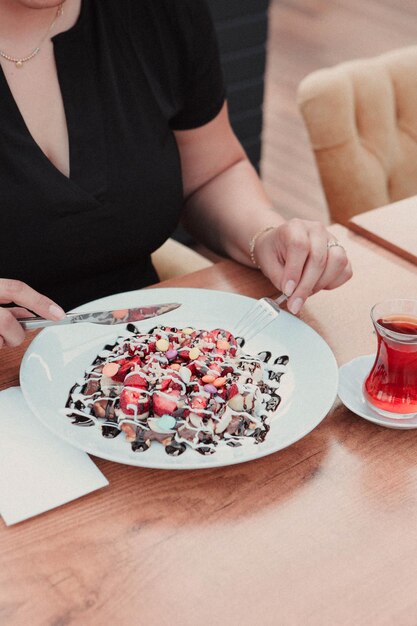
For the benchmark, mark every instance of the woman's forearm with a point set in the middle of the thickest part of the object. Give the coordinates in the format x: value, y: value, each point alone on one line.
x: 227, y: 208
x: 227, y: 211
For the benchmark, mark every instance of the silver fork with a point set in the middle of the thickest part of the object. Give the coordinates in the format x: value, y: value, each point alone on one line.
x: 263, y: 312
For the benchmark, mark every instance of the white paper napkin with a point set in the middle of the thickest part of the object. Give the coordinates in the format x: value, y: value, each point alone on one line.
x: 38, y: 471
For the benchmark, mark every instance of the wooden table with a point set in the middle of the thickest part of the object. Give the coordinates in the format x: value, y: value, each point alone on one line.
x: 393, y: 226
x: 323, y: 533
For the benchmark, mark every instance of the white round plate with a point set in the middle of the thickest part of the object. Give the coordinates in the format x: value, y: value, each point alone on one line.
x: 351, y: 378
x: 59, y: 356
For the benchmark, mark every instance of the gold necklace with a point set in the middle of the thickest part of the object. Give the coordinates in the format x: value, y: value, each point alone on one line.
x: 20, y: 61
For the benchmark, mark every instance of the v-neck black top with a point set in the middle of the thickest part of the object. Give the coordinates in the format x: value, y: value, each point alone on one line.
x: 130, y: 72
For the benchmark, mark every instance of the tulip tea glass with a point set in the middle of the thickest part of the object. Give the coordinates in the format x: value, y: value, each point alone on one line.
x: 391, y: 386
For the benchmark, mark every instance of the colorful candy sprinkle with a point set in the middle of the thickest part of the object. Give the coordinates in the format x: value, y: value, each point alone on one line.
x: 194, y: 353
x: 188, y: 331
x: 210, y: 389
x: 162, y: 345
x: 222, y: 344
x: 209, y: 379
x: 171, y: 354
x: 219, y: 382
x: 167, y: 422
x: 185, y: 374
x: 110, y: 369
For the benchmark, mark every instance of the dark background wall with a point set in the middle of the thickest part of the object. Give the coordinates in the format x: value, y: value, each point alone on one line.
x: 242, y: 27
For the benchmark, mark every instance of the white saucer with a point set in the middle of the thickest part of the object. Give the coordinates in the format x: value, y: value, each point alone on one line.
x: 351, y: 378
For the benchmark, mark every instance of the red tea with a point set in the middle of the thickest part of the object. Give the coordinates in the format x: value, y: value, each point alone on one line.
x: 391, y: 385
x: 403, y: 324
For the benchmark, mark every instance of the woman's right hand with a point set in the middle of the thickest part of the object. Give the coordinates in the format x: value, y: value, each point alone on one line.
x: 17, y: 292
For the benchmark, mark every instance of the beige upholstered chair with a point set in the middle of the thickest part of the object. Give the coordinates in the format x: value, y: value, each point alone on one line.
x: 174, y: 259
x: 361, y: 117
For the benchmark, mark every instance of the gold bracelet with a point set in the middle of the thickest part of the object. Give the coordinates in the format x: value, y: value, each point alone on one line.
x: 252, y: 243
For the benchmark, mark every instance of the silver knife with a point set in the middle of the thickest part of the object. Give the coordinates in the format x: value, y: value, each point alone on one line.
x: 117, y: 316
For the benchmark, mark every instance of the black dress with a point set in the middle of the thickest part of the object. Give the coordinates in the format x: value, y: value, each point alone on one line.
x: 130, y: 72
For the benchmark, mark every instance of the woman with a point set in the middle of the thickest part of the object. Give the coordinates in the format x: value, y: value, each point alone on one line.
x: 113, y: 125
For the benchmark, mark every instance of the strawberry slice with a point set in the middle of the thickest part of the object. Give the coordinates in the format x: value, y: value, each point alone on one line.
x: 149, y: 348
x: 233, y: 390
x: 215, y: 368
x: 126, y: 365
x: 121, y: 373
x: 132, y: 402
x: 172, y: 381
x: 165, y: 402
x: 200, y: 366
x: 199, y: 402
x: 165, y: 384
x: 135, y: 379
x: 222, y: 392
x: 208, y: 337
x: 184, y: 352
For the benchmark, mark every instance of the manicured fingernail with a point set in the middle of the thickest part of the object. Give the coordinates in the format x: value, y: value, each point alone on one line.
x: 56, y: 312
x: 296, y: 305
x: 289, y: 288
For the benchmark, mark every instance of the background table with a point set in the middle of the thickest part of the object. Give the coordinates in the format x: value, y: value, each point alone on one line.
x: 323, y: 533
x: 393, y: 226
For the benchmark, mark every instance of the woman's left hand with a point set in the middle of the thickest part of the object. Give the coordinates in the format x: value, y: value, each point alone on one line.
x: 300, y: 257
